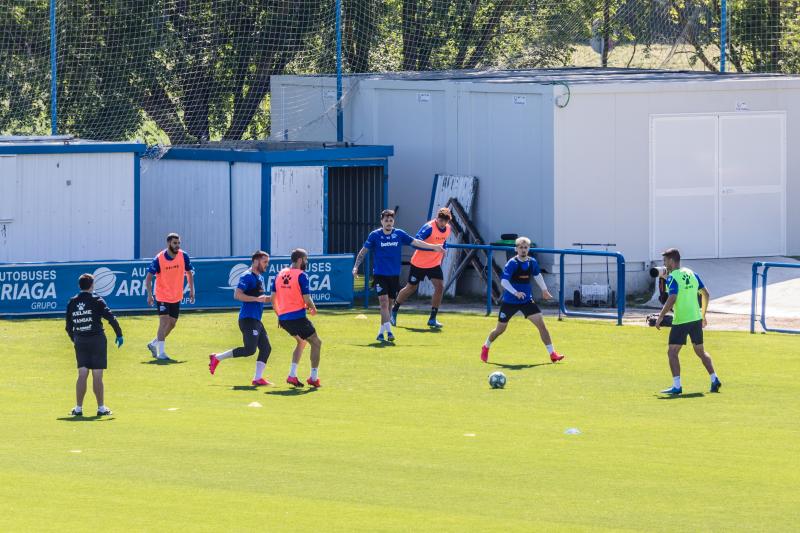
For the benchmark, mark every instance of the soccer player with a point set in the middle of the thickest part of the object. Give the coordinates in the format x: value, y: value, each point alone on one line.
x: 427, y: 264
x: 169, y: 267
x: 290, y: 299
x: 517, y: 296
x: 85, y: 328
x: 387, y: 242
x: 683, y: 286
x: 251, y: 291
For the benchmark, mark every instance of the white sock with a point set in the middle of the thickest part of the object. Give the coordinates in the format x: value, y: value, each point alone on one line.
x: 293, y: 371
x: 388, y: 327
x: 259, y: 370
x: 380, y: 331
x: 225, y: 355
x: 676, y: 382
x: 78, y: 408
x: 550, y: 348
x: 488, y: 342
x: 314, y: 374
x: 154, y: 341
x: 160, y: 347
x: 102, y: 408
x: 713, y: 377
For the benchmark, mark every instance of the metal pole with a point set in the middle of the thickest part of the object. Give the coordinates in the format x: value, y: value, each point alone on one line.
x: 489, y: 270
x: 620, y: 289
x: 723, y: 35
x: 753, y: 295
x: 562, y: 308
x: 339, y: 116
x: 764, y: 297
x: 53, y: 75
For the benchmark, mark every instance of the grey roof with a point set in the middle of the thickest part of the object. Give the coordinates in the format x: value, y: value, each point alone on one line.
x: 265, y: 145
x: 572, y: 75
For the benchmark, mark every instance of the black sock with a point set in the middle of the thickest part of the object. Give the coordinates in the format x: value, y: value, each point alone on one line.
x: 434, y: 310
x: 395, y: 307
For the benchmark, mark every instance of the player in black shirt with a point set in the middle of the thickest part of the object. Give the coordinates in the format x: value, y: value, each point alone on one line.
x: 85, y: 328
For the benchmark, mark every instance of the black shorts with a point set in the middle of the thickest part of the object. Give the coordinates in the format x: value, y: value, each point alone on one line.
x: 386, y: 285
x: 694, y: 330
x: 508, y: 310
x: 172, y: 310
x: 91, y: 351
x: 417, y: 274
x: 299, y: 327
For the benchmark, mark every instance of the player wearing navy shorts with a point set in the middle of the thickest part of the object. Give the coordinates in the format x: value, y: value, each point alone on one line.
x: 170, y: 267
x: 517, y: 297
x: 85, y: 312
x: 251, y: 291
x: 291, y: 298
x: 386, y: 244
x: 684, y: 287
x: 426, y: 264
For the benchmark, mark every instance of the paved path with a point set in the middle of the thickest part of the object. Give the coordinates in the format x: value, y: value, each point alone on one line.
x: 730, y: 280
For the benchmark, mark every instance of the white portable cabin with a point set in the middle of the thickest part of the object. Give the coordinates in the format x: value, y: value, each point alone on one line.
x: 63, y: 199
x: 232, y: 198
x: 643, y: 159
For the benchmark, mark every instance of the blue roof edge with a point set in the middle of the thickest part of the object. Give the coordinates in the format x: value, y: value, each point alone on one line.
x: 280, y: 156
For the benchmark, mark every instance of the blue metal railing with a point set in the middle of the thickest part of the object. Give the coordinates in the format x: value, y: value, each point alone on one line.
x: 754, y: 295
x: 562, y: 308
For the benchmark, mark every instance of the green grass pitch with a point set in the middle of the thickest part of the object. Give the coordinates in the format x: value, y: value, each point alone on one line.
x: 402, y: 438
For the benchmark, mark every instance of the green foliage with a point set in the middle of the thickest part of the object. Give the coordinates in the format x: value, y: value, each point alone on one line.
x: 186, y: 71
x: 24, y: 91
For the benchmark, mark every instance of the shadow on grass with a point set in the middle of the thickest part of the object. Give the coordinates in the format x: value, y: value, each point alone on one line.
x: 244, y: 387
x: 85, y: 418
x: 519, y: 367
x: 375, y: 344
x: 679, y: 396
x: 420, y: 330
x: 291, y: 392
x: 163, y: 362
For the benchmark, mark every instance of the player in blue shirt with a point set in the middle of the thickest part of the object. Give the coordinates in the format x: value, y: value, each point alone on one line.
x: 251, y: 291
x: 387, y: 244
x: 517, y: 296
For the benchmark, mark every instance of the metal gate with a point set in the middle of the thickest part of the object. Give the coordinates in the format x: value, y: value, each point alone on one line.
x: 355, y: 200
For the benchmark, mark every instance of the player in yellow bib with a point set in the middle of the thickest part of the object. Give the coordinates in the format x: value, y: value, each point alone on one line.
x: 683, y: 287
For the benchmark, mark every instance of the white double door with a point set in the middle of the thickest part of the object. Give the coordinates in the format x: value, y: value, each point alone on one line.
x: 718, y: 185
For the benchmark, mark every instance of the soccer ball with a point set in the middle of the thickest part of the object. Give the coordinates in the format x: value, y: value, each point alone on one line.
x: 497, y: 380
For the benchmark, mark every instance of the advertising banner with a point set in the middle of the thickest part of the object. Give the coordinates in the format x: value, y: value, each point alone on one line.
x: 45, y: 288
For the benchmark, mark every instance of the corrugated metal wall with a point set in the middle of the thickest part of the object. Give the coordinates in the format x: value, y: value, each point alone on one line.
x: 355, y: 200
x: 193, y: 198
x: 69, y: 207
x: 246, y: 208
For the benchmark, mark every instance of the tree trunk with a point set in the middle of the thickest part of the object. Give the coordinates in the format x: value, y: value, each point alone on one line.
x: 606, y: 32
x: 158, y: 106
x: 467, y: 30
x: 410, y: 35
x: 488, y: 33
